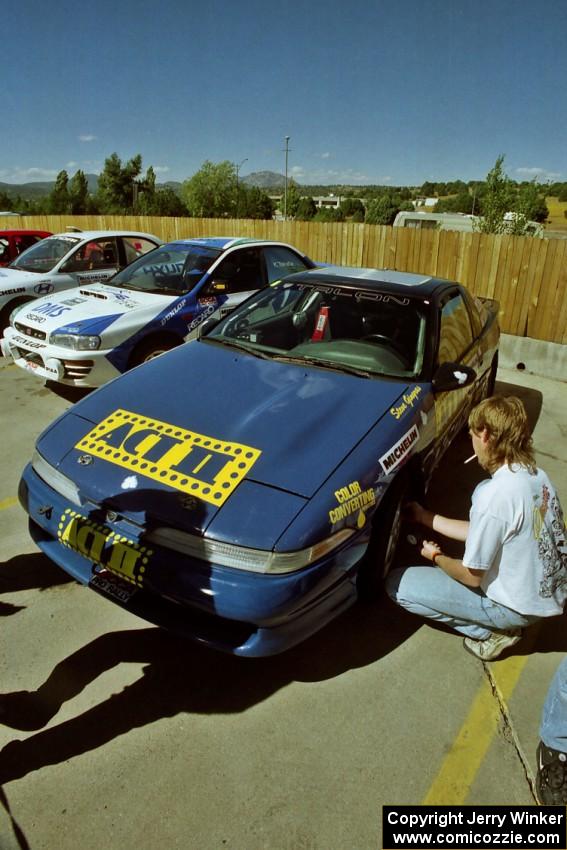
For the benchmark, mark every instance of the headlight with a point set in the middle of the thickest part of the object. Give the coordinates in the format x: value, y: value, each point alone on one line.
x: 243, y: 558
x: 55, y: 479
x: 78, y: 342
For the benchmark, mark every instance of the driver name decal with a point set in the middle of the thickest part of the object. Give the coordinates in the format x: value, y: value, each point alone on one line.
x: 196, y: 464
x: 397, y: 453
x: 407, y: 401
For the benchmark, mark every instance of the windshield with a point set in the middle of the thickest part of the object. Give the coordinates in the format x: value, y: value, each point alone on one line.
x: 368, y: 332
x: 169, y: 270
x: 44, y: 255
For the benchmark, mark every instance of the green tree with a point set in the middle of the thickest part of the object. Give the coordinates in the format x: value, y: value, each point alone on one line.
x: 350, y: 206
x: 293, y: 199
x: 461, y: 203
x: 255, y: 203
x: 6, y: 202
x: 211, y: 192
x: 329, y: 214
x: 382, y: 210
x: 59, y: 202
x: 79, y: 194
x: 496, y: 200
x: 116, y: 184
x: 306, y: 209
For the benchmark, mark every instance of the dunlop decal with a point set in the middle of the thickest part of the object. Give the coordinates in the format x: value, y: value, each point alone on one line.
x: 192, y: 463
x: 352, y: 500
x: 99, y: 544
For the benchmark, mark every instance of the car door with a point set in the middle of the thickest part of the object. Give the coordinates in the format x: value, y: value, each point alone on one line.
x: 237, y: 276
x: 92, y: 262
x: 456, y: 344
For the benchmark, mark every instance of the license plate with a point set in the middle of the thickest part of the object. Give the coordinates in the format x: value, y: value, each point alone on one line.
x: 113, y: 586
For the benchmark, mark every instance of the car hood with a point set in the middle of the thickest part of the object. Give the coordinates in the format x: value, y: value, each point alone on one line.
x: 86, y: 310
x: 204, y: 422
x: 14, y: 277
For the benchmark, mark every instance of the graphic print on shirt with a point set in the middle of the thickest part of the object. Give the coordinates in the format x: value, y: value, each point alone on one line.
x: 552, y: 544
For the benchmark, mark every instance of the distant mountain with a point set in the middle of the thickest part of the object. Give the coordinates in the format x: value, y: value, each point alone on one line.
x: 265, y: 180
x: 41, y: 188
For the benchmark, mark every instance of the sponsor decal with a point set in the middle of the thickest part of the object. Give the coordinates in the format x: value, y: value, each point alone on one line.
x: 24, y: 342
x: 174, y: 311
x: 51, y: 309
x: 200, y: 318
x: 196, y: 464
x: 352, y: 500
x: 102, y: 546
x: 16, y: 291
x: 43, y: 288
x: 408, y: 400
x: 395, y: 456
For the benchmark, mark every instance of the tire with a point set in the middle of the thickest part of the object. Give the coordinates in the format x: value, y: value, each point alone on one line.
x: 381, y: 552
x: 492, y: 376
x: 152, y: 347
x: 6, y: 311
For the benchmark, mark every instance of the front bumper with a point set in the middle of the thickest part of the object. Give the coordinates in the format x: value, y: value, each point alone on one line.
x: 63, y: 365
x: 230, y: 610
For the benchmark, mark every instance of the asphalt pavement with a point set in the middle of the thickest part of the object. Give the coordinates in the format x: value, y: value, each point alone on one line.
x: 137, y: 739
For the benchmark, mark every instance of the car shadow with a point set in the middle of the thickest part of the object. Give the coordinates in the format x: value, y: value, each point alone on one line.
x: 72, y: 394
x: 28, y: 572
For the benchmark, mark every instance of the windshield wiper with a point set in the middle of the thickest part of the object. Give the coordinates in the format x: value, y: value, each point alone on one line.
x: 324, y: 364
x: 238, y: 346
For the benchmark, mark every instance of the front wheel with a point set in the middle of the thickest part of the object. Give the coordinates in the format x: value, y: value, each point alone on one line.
x: 381, y: 552
x: 152, y: 348
x: 8, y: 309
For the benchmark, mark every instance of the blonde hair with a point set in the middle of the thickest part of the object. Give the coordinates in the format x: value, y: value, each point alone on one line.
x: 506, y: 422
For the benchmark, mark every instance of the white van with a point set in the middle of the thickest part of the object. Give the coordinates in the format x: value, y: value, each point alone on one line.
x: 454, y: 221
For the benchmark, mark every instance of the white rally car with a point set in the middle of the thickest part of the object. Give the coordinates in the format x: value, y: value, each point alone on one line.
x: 67, y: 260
x: 86, y: 336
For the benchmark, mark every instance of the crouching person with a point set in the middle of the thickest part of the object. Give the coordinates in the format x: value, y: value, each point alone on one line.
x: 514, y: 568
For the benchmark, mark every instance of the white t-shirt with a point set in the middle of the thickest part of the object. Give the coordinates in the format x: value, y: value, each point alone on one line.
x: 517, y: 534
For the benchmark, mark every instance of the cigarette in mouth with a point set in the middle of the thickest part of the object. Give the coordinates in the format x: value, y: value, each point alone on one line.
x: 468, y: 460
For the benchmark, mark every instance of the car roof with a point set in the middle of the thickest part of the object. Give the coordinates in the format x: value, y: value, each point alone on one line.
x: 100, y: 234
x: 24, y: 232
x: 350, y: 277
x: 222, y: 243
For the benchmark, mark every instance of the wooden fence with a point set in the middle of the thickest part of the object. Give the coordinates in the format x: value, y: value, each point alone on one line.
x: 526, y: 275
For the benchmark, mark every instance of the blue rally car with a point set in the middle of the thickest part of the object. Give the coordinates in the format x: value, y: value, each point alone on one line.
x: 246, y: 488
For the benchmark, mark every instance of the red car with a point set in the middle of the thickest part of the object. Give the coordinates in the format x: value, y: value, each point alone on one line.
x: 13, y: 242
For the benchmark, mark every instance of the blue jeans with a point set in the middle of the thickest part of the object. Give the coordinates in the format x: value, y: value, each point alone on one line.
x: 553, y: 729
x: 431, y: 593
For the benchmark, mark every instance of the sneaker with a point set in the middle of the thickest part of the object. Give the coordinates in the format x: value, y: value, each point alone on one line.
x: 551, y: 776
x: 491, y: 648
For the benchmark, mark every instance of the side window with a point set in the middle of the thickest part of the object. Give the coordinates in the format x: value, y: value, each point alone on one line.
x: 4, y: 249
x: 98, y: 254
x: 26, y: 240
x: 135, y: 246
x: 281, y: 261
x: 455, y: 333
x: 241, y: 271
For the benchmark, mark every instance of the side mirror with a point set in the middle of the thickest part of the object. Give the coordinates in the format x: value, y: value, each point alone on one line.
x: 452, y: 376
x: 208, y: 325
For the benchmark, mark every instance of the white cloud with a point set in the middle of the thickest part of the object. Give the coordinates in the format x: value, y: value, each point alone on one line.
x: 87, y: 137
x: 323, y: 176
x: 537, y: 174
x: 72, y: 164
x: 161, y: 169
x: 27, y: 175
x: 326, y: 155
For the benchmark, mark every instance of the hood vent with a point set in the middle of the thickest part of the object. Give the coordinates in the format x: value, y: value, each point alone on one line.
x: 93, y: 294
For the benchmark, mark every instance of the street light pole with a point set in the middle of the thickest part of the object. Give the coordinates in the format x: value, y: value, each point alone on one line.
x: 285, y: 184
x: 238, y: 167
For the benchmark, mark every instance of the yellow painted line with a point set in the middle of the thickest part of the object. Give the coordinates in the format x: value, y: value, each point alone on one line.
x: 453, y: 782
x: 8, y: 503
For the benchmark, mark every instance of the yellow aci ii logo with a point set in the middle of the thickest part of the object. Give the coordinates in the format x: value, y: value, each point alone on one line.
x: 102, y: 546
x: 202, y: 466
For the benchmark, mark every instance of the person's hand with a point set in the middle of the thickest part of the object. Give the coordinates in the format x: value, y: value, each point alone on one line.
x: 414, y: 512
x: 429, y: 549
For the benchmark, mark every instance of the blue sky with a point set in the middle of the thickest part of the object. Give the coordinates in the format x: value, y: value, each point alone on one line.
x: 368, y: 91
